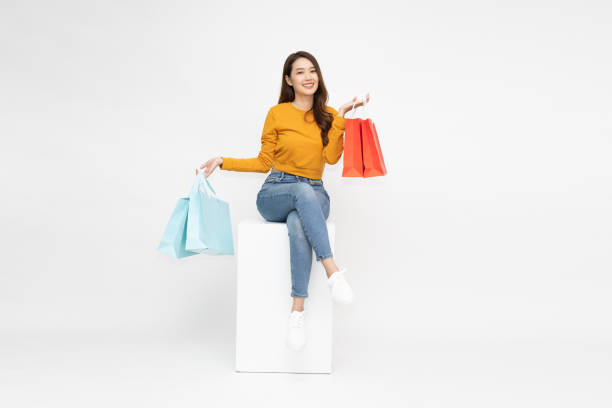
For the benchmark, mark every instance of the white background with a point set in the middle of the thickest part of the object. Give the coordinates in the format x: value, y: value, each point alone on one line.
x: 481, y: 263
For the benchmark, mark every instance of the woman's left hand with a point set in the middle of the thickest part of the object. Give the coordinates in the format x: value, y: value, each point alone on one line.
x: 347, y: 107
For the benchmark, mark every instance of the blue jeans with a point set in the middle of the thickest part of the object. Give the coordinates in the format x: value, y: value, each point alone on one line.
x: 303, y: 204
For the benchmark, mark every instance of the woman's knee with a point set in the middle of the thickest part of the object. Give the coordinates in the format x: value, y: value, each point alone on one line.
x: 260, y: 209
x: 267, y: 210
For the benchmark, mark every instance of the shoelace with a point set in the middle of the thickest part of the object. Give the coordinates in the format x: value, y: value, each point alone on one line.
x: 335, y: 278
x: 297, y: 320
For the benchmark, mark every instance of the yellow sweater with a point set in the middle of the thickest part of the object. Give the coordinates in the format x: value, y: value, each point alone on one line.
x: 292, y: 144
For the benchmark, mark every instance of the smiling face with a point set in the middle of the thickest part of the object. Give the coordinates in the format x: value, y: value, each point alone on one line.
x: 304, y: 78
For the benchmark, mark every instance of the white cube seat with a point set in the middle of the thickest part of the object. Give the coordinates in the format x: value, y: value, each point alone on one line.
x: 264, y: 304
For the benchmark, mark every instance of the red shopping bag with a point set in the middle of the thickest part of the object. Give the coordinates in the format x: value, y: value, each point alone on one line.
x: 374, y: 164
x: 353, y: 157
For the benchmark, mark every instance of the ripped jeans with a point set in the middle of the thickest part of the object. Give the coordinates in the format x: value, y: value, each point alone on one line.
x: 303, y: 204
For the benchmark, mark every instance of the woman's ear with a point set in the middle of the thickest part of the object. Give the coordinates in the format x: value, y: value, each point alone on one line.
x: 288, y: 80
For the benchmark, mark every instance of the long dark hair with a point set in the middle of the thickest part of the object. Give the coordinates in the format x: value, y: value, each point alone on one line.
x: 287, y: 94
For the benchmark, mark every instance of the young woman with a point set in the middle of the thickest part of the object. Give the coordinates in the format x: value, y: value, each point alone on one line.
x: 301, y: 133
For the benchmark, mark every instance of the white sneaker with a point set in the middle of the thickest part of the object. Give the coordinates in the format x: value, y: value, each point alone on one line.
x: 296, y: 338
x: 341, y: 292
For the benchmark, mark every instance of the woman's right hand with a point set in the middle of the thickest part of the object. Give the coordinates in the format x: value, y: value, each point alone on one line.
x: 210, y: 166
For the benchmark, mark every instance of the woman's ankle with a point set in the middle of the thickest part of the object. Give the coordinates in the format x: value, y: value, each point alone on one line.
x: 336, y: 269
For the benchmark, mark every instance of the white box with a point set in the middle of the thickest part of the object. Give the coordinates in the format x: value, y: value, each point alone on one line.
x: 264, y: 304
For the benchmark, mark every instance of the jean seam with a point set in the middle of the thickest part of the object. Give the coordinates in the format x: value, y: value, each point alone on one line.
x: 306, y: 231
x: 303, y: 224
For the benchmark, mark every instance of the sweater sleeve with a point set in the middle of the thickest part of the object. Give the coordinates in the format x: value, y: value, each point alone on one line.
x: 265, y: 159
x: 333, y: 151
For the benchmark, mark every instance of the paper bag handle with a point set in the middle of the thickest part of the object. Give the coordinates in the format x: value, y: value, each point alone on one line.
x: 353, y: 109
x: 198, y: 182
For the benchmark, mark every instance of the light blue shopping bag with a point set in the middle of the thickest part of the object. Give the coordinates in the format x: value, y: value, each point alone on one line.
x: 175, y: 235
x: 209, y: 228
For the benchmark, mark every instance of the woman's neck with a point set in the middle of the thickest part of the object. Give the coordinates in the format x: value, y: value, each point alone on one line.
x: 303, y: 102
